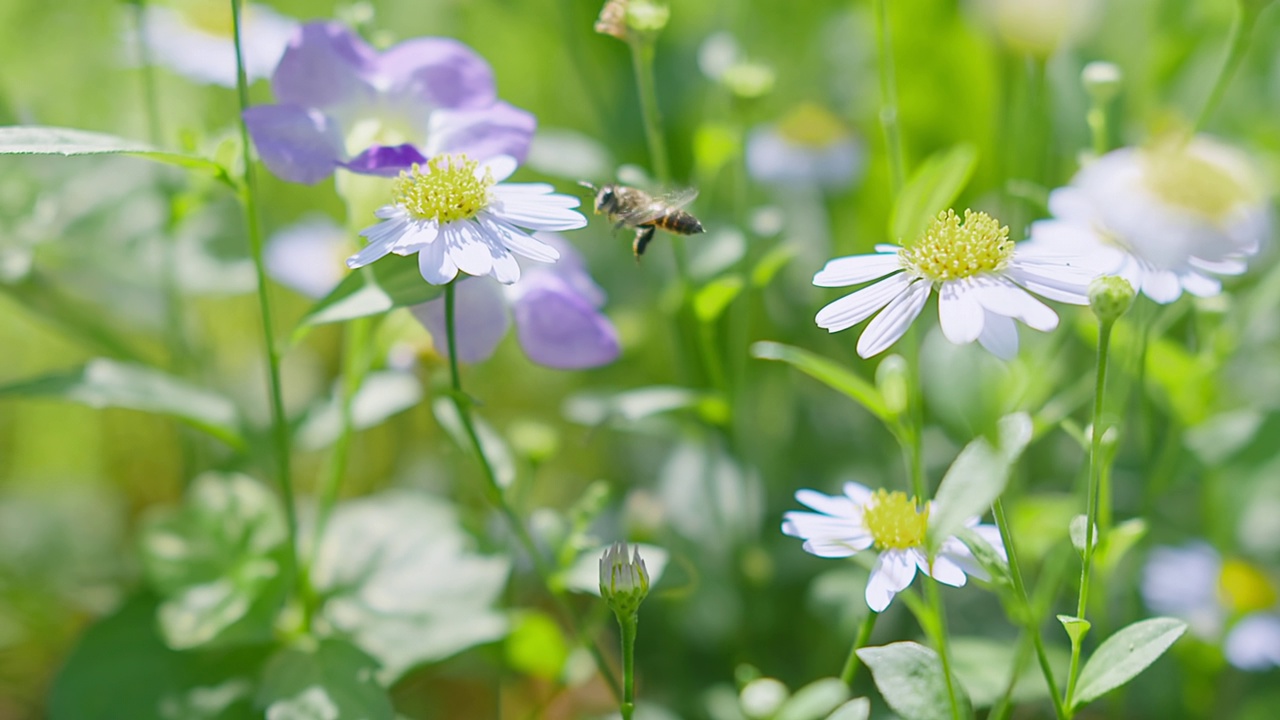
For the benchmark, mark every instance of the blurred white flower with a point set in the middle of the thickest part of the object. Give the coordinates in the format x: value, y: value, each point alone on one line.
x: 1194, y: 583
x: 1038, y: 27
x: 896, y: 527
x: 309, y: 256
x: 809, y: 146
x: 1167, y: 218
x: 982, y: 279
x: 195, y: 38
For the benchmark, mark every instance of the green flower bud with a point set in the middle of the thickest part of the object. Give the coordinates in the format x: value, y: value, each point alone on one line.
x: 624, y: 581
x: 892, y: 381
x: 1102, y: 81
x: 1110, y: 297
x: 646, y: 16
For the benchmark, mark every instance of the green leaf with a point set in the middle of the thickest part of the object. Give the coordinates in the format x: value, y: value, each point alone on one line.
x: 392, y: 282
x: 976, y: 478
x: 68, y: 142
x: 1076, y: 627
x: 814, y: 701
x: 594, y: 409
x: 826, y: 371
x: 1119, y: 541
x: 43, y: 297
x: 402, y: 582
x: 103, y: 383
x: 331, y: 680
x: 932, y: 189
x: 492, y: 444
x: 855, y: 709
x: 767, y: 268
x: 584, y: 575
x: 120, y: 668
x: 715, y: 296
x: 909, y: 676
x: 1125, y: 654
x: 382, y: 395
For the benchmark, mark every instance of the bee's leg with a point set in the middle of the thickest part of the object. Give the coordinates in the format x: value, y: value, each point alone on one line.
x: 644, y: 234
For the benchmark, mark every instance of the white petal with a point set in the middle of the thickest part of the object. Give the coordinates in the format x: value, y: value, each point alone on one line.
x: 1161, y: 285
x: 500, y: 166
x: 530, y: 212
x: 505, y: 268
x: 1227, y: 266
x: 829, y: 548
x: 435, y: 265
x: 858, y: 306
x: 959, y: 312
x: 467, y: 247
x: 416, y: 238
x: 893, y: 572
x: 892, y: 322
x: 385, y: 233
x: 857, y: 492
x: 519, y: 241
x: 1069, y: 203
x: 944, y: 570
x: 835, y: 506
x: 1003, y: 297
x: 814, y: 526
x: 856, y: 269
x: 1072, y: 288
x: 999, y: 336
x: 1199, y: 285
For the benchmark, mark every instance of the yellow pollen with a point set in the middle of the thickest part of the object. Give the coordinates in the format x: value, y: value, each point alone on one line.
x: 894, y: 522
x: 951, y: 248
x: 447, y: 191
x: 812, y: 126
x: 1243, y: 588
x: 1180, y: 178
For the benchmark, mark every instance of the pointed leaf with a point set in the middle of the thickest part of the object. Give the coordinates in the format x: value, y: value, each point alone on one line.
x: 44, y: 140
x: 715, y: 296
x: 827, y: 371
x: 909, y: 676
x: 814, y: 701
x: 976, y: 478
x: 1122, y: 656
x: 334, y: 680
x: 389, y: 283
x: 106, y: 383
x: 932, y: 189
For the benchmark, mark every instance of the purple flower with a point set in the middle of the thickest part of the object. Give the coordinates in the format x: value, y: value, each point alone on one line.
x: 342, y: 103
x: 556, y: 310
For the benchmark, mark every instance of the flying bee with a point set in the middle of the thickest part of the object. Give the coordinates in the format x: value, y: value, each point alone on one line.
x: 632, y: 207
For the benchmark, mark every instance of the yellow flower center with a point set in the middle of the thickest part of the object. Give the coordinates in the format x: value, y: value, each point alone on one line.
x: 1187, y: 181
x: 210, y: 16
x: 951, y: 248
x: 893, y: 520
x: 1243, y: 588
x: 448, y: 191
x: 812, y: 126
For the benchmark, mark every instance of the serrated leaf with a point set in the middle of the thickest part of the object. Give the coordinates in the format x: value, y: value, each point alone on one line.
x: 909, y: 676
x: 976, y: 478
x: 584, y: 575
x: 392, y: 282
x: 1125, y: 654
x: 814, y: 701
x: 103, y: 383
x: 827, y: 371
x: 217, y: 562
x: 68, y: 142
x: 331, y: 680
x: 401, y: 581
x: 932, y: 189
x: 712, y: 299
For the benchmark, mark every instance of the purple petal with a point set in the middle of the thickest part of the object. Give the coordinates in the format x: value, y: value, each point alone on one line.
x: 572, y: 268
x: 326, y: 66
x: 437, y: 72
x: 295, y: 143
x: 384, y: 160
x: 481, y: 317
x: 499, y: 129
x: 559, y: 328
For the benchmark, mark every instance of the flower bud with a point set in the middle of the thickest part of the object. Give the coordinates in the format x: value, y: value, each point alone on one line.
x: 624, y: 581
x: 892, y: 381
x: 1102, y: 81
x: 1110, y: 297
x: 647, y: 16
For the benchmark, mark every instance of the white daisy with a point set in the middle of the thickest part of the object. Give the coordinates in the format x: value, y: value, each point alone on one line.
x: 981, y: 277
x: 196, y: 39
x: 894, y: 525
x: 456, y: 214
x: 1167, y: 218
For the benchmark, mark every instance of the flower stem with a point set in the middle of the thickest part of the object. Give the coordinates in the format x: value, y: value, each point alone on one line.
x: 279, y: 423
x: 642, y: 62
x: 1091, y: 510
x: 355, y: 365
x: 1030, y: 618
x: 628, y: 627
x: 493, y: 491
x: 889, y: 100
x: 851, y: 664
x: 939, y: 627
x: 1237, y: 44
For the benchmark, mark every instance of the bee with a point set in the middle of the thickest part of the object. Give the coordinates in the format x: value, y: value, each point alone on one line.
x: 632, y: 207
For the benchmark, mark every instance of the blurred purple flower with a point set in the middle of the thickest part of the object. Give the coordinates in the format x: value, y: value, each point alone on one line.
x: 309, y: 256
x: 196, y: 39
x: 808, y: 147
x: 556, y: 310
x: 342, y: 103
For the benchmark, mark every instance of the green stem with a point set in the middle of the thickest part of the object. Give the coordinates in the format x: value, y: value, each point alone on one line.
x: 1030, y: 616
x: 1091, y: 510
x: 493, y: 491
x: 850, y: 670
x: 940, y: 639
x: 253, y: 223
x: 889, y: 100
x: 355, y: 365
x: 1097, y: 120
x: 628, y: 628
x: 1237, y: 45
x: 642, y: 63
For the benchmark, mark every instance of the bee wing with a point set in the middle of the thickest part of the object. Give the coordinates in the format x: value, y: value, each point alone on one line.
x: 658, y: 206
x: 677, y: 199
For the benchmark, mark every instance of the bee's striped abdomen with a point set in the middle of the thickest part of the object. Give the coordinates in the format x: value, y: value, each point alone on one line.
x: 680, y: 222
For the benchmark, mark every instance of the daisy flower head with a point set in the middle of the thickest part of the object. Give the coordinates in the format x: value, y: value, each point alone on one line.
x: 1223, y: 600
x: 896, y: 527
x: 341, y: 103
x: 458, y: 215
x: 196, y: 39
x: 981, y: 276
x: 809, y: 146
x: 1168, y: 217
